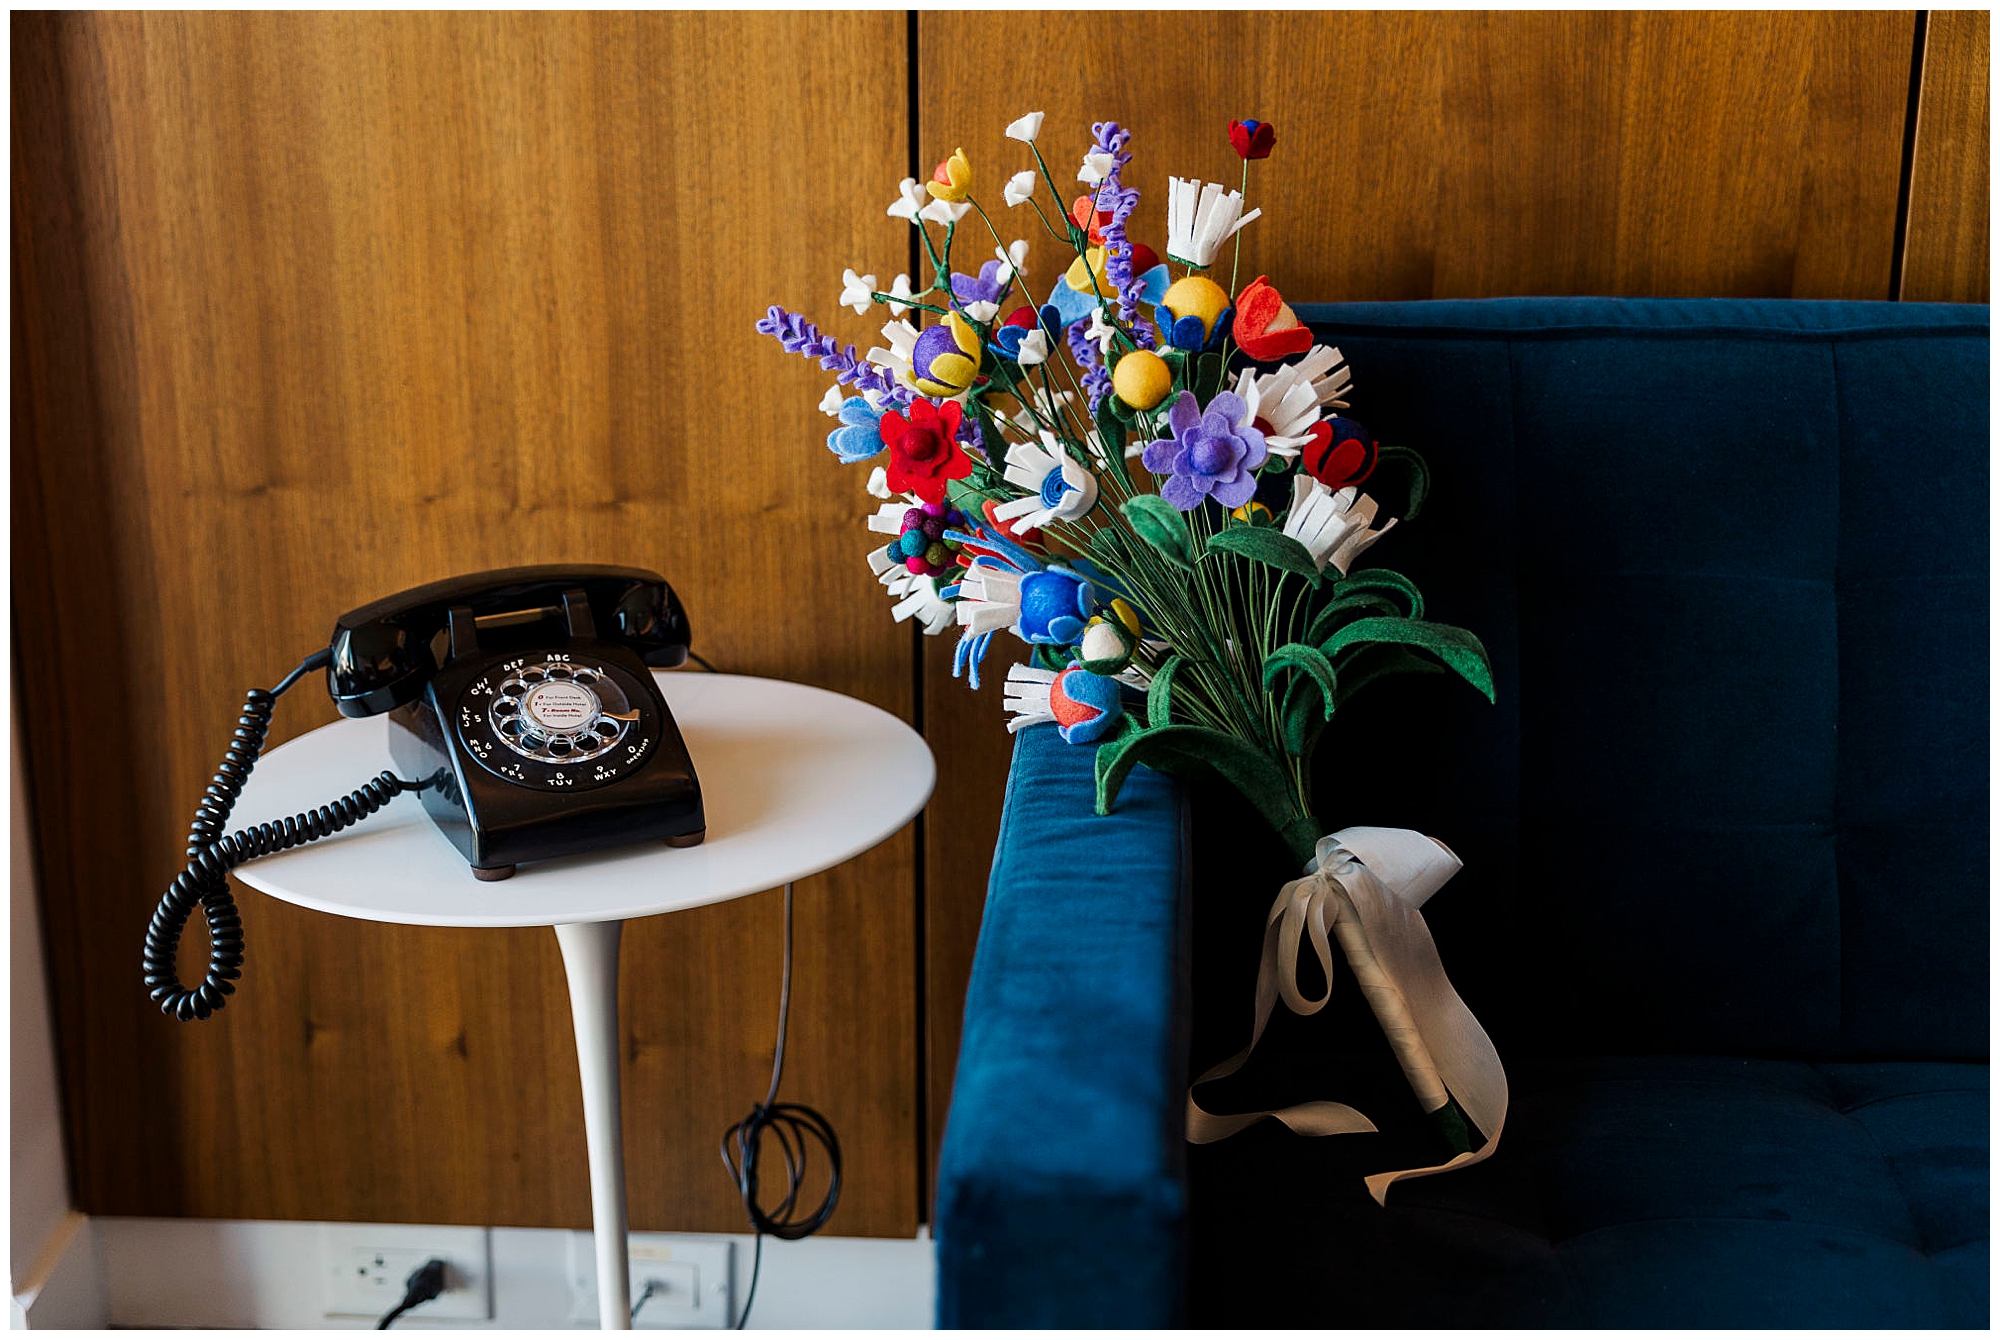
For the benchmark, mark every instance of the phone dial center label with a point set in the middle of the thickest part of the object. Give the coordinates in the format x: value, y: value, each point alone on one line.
x: 561, y: 706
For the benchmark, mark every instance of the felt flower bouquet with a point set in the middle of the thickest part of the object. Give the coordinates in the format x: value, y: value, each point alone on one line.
x: 1146, y: 477
x: 1149, y: 480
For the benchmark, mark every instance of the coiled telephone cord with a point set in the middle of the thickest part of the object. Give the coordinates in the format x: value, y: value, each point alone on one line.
x: 211, y: 856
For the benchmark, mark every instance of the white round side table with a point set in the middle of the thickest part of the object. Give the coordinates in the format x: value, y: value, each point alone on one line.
x: 794, y: 780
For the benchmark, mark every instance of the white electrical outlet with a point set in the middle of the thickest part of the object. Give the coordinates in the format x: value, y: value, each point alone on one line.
x: 690, y: 1278
x: 365, y: 1267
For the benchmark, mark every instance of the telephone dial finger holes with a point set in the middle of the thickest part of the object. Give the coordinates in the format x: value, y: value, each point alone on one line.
x: 561, y: 713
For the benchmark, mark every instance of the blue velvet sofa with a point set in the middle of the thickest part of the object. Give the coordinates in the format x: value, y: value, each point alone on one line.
x: 1724, y: 907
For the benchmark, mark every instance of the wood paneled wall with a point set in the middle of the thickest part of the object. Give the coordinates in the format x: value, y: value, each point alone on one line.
x: 319, y: 307
x: 310, y: 308
x: 1944, y: 258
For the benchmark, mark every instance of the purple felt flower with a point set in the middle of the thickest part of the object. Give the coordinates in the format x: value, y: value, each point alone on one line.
x: 1210, y: 454
x: 987, y: 287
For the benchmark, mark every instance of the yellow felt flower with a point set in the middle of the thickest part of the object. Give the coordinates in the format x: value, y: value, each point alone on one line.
x: 945, y: 359
x: 952, y: 181
x: 1197, y: 296
x: 1142, y: 379
x: 1088, y: 267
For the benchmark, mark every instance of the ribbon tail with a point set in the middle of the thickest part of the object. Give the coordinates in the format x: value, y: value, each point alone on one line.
x: 1379, y: 1184
x: 1276, y: 975
x: 1400, y: 941
x: 1315, y: 1118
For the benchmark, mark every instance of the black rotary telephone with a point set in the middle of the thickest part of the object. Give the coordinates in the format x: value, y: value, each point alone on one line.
x: 523, y: 713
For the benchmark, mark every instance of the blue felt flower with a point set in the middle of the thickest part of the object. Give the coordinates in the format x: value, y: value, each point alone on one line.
x: 1086, y: 706
x: 1056, y: 605
x: 860, y: 433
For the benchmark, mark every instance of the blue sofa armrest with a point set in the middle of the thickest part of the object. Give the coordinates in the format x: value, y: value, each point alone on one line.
x: 1061, y: 1193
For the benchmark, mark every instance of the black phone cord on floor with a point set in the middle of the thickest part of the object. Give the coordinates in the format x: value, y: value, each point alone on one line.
x: 211, y: 856
x: 791, y: 1125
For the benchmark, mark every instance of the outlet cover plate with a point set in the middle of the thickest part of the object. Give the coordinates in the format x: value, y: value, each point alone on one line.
x: 694, y: 1288
x: 364, y: 1267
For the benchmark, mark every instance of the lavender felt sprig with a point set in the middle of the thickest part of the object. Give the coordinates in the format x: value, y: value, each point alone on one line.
x: 1096, y: 381
x: 1110, y: 138
x: 802, y: 337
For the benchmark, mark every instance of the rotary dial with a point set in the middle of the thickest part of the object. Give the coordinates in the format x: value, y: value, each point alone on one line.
x: 557, y: 721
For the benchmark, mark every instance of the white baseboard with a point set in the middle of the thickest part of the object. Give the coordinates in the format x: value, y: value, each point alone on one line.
x: 64, y: 1289
x: 236, y: 1273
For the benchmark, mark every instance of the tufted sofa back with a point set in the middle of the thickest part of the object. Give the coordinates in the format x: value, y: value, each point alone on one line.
x: 1730, y: 559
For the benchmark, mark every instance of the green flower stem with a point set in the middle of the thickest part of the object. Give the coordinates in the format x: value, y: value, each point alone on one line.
x: 1046, y: 224
x: 1055, y: 194
x: 890, y: 300
x: 1244, y: 191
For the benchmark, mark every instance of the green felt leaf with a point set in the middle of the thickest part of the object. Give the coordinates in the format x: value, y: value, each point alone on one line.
x: 1159, y: 694
x: 1418, y: 473
x: 1156, y: 522
x: 967, y: 494
x: 1271, y: 547
x: 1189, y: 750
x: 1454, y: 646
x: 1111, y: 431
x: 1346, y: 608
x: 1382, y: 582
x: 1298, y: 658
x: 1302, y: 718
x: 1208, y: 371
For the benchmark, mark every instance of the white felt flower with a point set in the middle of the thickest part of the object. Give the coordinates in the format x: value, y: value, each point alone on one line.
x: 981, y: 312
x: 1334, y: 527
x: 915, y: 596
x: 944, y: 212
x: 1034, y: 348
x: 1290, y: 398
x: 858, y: 292
x: 888, y: 518
x: 1020, y: 188
x: 878, y: 482
x: 1013, y: 261
x: 1101, y: 330
x: 1027, y: 696
x: 989, y: 598
x: 1096, y: 167
x: 1059, y: 489
x: 1200, y: 219
x: 932, y: 610
x: 831, y: 402
x: 902, y: 338
x: 900, y: 288
x: 909, y: 200
x: 1026, y: 128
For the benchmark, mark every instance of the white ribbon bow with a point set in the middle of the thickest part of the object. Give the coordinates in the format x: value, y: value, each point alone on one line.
x: 1365, y: 885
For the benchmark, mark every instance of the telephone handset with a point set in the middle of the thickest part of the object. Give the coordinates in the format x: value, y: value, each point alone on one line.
x: 523, y: 711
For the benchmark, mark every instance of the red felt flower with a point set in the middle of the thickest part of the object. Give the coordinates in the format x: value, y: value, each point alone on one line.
x: 1091, y: 220
x: 1252, y: 139
x: 923, y: 449
x: 1265, y: 326
x: 1340, y: 453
